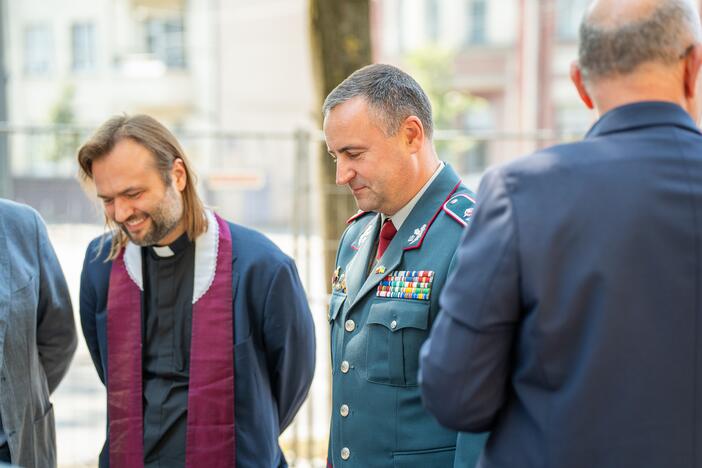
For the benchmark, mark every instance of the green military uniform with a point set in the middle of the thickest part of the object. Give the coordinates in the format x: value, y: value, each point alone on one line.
x: 380, y: 314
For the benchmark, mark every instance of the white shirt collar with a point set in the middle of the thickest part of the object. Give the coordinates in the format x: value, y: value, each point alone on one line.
x: 206, y: 250
x: 164, y: 251
x: 399, y: 218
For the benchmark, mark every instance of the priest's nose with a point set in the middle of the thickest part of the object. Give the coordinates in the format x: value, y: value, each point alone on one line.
x: 122, y: 210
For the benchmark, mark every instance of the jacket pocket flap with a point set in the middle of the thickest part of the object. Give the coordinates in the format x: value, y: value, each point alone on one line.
x: 335, y: 303
x: 396, y: 315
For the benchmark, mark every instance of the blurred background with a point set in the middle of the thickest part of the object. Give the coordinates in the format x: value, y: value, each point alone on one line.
x: 241, y: 84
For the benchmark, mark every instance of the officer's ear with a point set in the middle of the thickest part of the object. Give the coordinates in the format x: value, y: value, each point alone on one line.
x: 576, y: 77
x: 412, y: 132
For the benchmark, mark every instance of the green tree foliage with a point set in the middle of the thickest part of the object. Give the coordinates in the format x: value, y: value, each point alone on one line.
x: 434, y: 70
x: 65, y: 140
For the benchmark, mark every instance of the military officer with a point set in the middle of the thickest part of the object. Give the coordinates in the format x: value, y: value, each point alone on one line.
x: 393, y: 260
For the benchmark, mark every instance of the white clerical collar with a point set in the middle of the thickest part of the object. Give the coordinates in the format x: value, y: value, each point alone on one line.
x: 399, y: 218
x: 206, y: 247
x: 180, y: 244
x: 164, y: 251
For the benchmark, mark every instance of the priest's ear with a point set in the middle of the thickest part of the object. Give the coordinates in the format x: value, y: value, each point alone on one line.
x: 179, y: 175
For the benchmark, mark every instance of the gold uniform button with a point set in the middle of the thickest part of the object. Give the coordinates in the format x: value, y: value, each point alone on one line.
x: 350, y: 325
x: 393, y: 324
x: 344, y: 410
x: 345, y: 453
x: 345, y: 366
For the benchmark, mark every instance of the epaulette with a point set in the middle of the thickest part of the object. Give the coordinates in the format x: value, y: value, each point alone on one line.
x: 460, y: 208
x: 360, y: 214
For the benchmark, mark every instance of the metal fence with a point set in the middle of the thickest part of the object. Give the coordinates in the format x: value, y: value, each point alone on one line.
x: 265, y: 180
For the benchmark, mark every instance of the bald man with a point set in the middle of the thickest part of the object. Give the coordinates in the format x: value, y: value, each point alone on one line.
x: 577, y: 339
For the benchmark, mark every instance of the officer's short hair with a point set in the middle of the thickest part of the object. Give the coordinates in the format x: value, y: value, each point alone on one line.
x: 392, y: 96
x: 664, y: 36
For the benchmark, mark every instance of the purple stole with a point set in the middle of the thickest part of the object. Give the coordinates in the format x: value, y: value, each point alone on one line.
x: 210, y: 437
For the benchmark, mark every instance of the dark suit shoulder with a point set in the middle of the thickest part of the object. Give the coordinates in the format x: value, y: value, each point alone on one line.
x: 253, y: 246
x: 633, y: 146
x: 98, y: 249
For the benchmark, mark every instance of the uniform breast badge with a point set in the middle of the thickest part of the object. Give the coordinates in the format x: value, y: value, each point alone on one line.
x: 407, y: 285
x: 339, y: 281
x: 417, y: 234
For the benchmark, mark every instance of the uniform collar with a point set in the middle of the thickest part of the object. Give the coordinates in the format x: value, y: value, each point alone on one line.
x: 414, y: 229
x: 399, y: 218
x: 640, y: 115
x: 409, y: 236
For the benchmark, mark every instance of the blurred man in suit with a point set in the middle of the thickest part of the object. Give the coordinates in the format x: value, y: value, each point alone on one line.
x: 37, y: 337
x: 571, y: 326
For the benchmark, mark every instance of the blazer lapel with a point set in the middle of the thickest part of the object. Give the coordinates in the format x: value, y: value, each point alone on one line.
x: 5, y: 286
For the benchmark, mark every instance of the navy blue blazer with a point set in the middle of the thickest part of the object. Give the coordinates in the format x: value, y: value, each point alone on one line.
x: 274, y: 344
x: 572, y: 325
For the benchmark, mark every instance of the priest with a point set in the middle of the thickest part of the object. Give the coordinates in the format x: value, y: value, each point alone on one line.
x: 199, y: 328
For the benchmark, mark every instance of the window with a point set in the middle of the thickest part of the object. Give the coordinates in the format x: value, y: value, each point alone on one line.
x: 37, y: 49
x: 165, y: 40
x: 569, y: 13
x: 82, y: 47
x: 432, y: 20
x: 479, y: 118
x: 400, y: 26
x: 477, y: 22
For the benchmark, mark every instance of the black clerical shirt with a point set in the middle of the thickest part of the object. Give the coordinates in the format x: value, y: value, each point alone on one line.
x: 166, y: 326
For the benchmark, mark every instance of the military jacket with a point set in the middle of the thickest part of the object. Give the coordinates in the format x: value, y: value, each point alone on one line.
x: 380, y: 314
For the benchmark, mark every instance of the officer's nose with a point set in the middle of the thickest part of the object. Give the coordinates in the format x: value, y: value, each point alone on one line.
x: 344, y: 172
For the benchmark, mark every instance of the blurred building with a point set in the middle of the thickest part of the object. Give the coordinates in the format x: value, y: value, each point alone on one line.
x: 514, y: 54
x: 77, y: 62
x: 231, y: 77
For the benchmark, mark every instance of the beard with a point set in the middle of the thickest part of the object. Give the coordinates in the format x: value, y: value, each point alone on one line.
x: 164, y: 219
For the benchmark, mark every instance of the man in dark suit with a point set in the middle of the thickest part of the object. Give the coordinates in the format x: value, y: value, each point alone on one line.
x: 571, y: 327
x: 199, y: 328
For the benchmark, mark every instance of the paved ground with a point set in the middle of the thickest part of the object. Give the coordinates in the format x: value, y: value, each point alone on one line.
x: 80, y: 400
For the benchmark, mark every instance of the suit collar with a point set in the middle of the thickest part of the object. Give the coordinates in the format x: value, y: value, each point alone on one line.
x: 410, y: 236
x: 206, y: 247
x: 640, y: 115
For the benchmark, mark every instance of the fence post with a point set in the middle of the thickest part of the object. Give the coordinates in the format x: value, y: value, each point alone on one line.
x: 5, y: 165
x: 302, y: 234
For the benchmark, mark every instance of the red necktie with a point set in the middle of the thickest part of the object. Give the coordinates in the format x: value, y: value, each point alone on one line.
x: 387, y: 232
